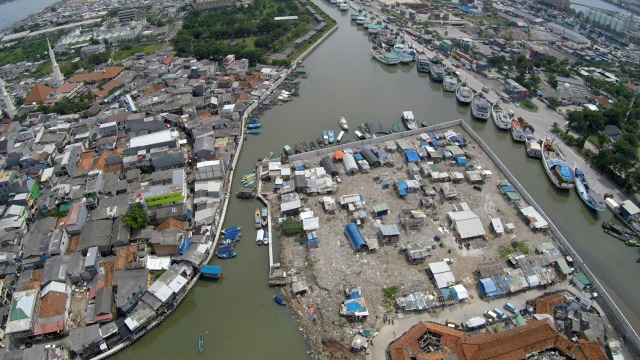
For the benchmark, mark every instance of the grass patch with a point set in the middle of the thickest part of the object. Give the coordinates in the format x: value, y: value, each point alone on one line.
x: 520, y: 246
x: 505, y: 251
x: 529, y: 105
x: 127, y: 50
x: 43, y: 69
x: 490, y: 20
x: 389, y: 296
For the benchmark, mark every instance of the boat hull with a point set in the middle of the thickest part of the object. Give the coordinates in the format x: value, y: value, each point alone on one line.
x: 591, y: 198
x: 500, y: 118
x: 553, y: 162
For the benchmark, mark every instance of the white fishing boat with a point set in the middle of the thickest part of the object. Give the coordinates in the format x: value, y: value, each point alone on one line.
x: 361, y: 19
x: 374, y: 28
x: 500, y: 118
x: 343, y: 123
x: 436, y: 69
x: 409, y: 120
x: 383, y: 56
x: 464, y: 93
x: 355, y: 14
x: 554, y: 165
x: 423, y: 63
x: 340, y: 136
x: 480, y: 108
x: 259, y: 236
x: 450, y: 83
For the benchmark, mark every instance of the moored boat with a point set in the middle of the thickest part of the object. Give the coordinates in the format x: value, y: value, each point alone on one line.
x: 340, y: 136
x: 200, y: 344
x: 554, y: 165
x: 254, y: 131
x: 325, y: 137
x: 355, y: 14
x: 248, y: 175
x: 312, y: 145
x: 259, y: 235
x: 287, y: 150
x: 265, y: 237
x: 358, y: 135
x: 409, y: 120
x: 225, y: 252
x: 211, y: 271
x: 450, y: 83
x: 374, y: 28
x: 383, y: 56
x: 617, y: 231
x: 264, y: 216
x: 464, y: 93
x: 253, y: 125
x: 320, y: 141
x: 588, y: 195
x: 234, y: 228
x: 361, y: 19
x: 268, y: 157
x: 256, y: 219
x: 279, y: 299
x: 480, y: 108
x: 500, y: 118
x: 330, y: 136
x: 436, y: 69
x: 422, y: 63
x: 533, y: 148
x: 344, y: 6
x: 343, y: 123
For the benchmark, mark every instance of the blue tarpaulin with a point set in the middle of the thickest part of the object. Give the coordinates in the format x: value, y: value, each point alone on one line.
x: 411, y: 156
x: 460, y: 160
x: 186, y: 242
x: 211, y: 269
x: 354, y: 234
x: 434, y: 142
x: 508, y: 188
x: 231, y: 235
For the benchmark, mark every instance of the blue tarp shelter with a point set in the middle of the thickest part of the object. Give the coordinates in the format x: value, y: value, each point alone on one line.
x: 355, y: 236
x: 488, y: 287
x: 184, y: 245
x: 460, y: 160
x: 411, y: 156
x: 402, y: 188
x: 357, y: 156
x: 434, y: 142
x: 508, y: 188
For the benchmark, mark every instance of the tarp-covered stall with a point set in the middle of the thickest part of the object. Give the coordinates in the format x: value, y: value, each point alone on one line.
x: 329, y: 166
x: 355, y: 236
x: 350, y: 165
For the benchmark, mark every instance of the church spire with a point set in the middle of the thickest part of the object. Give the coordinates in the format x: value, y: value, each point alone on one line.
x: 8, y: 103
x: 57, y: 75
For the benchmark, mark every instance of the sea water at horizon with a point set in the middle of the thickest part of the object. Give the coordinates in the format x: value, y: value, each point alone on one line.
x: 16, y: 10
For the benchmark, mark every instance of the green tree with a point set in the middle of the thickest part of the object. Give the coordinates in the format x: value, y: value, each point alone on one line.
x: 136, y: 217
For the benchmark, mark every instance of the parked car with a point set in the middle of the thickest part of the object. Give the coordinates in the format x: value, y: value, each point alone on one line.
x: 510, y: 307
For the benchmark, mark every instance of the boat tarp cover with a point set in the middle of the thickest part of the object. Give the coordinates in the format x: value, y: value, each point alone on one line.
x: 231, y: 235
x: 354, y: 234
x: 566, y: 173
x: 225, y: 249
x: 411, y: 156
x: 211, y: 269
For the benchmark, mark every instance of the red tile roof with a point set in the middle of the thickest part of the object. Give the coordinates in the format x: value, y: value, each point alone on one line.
x: 514, y: 343
x: 171, y: 223
x: 109, y: 73
x: 38, y: 94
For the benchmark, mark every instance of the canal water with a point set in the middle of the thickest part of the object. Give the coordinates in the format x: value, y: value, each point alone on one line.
x: 237, y: 315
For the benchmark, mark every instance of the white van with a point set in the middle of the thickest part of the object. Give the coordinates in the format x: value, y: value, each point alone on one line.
x: 490, y: 315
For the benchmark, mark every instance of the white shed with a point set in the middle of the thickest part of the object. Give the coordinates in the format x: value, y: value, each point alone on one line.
x: 349, y: 163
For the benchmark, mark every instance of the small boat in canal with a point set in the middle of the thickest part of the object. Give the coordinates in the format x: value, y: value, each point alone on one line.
x: 279, y: 299
x: 340, y: 136
x: 464, y: 93
x: 225, y: 252
x: 499, y: 117
x: 287, y: 150
x: 343, y: 123
x: 268, y: 157
x: 480, y: 107
x: 325, y: 137
x: 320, y: 141
x: 256, y: 219
x: 259, y: 236
x: 331, y: 138
x: 396, y: 128
x: 312, y: 145
x: 248, y: 175
x: 617, y: 231
x: 358, y: 135
x: 211, y: 271
x: 589, y: 196
x: 254, y: 125
x: 200, y: 344
x: 409, y: 120
x: 265, y: 237
x: 254, y: 131
x: 264, y: 216
x: 533, y: 147
x: 383, y: 56
x: 231, y: 229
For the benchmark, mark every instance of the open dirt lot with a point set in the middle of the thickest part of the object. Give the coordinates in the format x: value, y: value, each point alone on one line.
x: 334, y: 266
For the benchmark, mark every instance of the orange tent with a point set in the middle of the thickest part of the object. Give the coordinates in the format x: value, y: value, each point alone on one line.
x: 337, y: 155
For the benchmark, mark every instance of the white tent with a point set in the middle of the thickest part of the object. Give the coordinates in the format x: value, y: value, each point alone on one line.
x: 461, y: 291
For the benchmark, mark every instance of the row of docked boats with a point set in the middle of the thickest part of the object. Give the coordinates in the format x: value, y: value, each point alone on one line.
x: 231, y: 236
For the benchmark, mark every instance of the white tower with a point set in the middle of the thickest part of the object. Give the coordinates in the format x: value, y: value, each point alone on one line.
x: 57, y: 75
x: 11, y: 110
